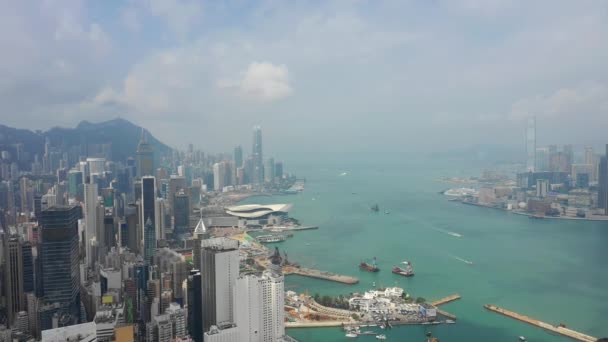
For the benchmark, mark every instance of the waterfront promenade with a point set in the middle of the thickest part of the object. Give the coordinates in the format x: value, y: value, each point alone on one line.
x: 562, y: 330
x: 308, y: 272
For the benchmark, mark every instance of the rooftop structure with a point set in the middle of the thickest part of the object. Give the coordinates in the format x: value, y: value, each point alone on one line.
x: 256, y: 211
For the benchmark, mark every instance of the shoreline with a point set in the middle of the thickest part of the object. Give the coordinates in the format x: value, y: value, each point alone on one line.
x: 536, y: 216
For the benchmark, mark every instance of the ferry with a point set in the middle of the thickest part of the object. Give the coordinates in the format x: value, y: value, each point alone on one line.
x: 351, y: 334
x: 381, y: 337
x: 370, y: 267
x: 406, y: 271
x: 271, y: 238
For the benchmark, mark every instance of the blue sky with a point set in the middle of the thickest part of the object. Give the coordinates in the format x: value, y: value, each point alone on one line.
x: 352, y: 74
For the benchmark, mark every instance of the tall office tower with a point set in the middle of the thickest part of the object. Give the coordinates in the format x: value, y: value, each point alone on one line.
x: 96, y: 166
x: 219, y: 176
x: 260, y: 311
x: 278, y: 170
x: 219, y: 271
x: 542, y: 159
x: 531, y: 144
x: 228, y: 175
x: 175, y: 183
x: 269, y: 170
x: 60, y: 271
x: 144, y: 157
x: 160, y: 211
x: 181, y: 214
x: 195, y: 306
x: 148, y: 205
x: 258, y: 158
x: 238, y: 156
x: 13, y: 276
x: 602, y: 194
x: 149, y: 240
x: 589, y: 158
x: 90, y: 219
x: 133, y: 239
x: 28, y: 267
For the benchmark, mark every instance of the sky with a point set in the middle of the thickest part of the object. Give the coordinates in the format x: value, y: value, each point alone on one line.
x: 338, y: 76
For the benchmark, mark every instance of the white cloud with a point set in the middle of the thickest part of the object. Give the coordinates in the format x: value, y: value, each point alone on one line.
x: 262, y: 81
x: 588, y: 101
x: 180, y: 15
x: 130, y: 19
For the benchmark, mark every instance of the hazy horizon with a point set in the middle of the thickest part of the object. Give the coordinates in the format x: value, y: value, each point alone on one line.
x: 328, y: 76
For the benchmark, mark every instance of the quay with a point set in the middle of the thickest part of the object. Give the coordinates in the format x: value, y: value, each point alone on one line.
x: 307, y: 272
x: 446, y: 300
x: 288, y: 229
x: 562, y: 330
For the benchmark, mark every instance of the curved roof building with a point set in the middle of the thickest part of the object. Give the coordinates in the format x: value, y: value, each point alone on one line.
x: 257, y: 211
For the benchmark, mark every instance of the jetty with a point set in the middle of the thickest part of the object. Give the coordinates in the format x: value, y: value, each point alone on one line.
x: 446, y: 300
x: 308, y: 272
x: 560, y: 329
x: 289, y: 228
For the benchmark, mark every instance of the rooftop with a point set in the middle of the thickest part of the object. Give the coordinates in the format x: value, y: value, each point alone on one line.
x: 257, y: 210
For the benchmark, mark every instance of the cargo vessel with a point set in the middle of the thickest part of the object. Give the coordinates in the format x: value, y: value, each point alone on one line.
x: 369, y: 266
x: 406, y: 271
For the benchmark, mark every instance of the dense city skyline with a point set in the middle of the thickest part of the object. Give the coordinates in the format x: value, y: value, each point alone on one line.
x: 185, y: 68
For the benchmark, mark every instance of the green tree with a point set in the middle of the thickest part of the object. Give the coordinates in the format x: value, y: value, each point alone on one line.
x: 420, y: 300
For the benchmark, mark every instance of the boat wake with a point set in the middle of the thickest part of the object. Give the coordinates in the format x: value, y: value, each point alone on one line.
x: 343, y: 174
x: 463, y: 260
x: 447, y: 232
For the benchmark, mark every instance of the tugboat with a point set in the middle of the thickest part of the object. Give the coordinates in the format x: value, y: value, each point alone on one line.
x: 406, y: 271
x: 375, y: 208
x: 370, y: 267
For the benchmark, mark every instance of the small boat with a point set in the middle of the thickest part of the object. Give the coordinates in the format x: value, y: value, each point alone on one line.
x: 381, y: 337
x: 523, y: 339
x: 387, y: 212
x: 375, y: 208
x: 373, y: 284
x: 351, y: 334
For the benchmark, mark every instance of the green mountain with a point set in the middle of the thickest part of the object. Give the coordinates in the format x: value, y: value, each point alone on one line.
x: 117, y: 137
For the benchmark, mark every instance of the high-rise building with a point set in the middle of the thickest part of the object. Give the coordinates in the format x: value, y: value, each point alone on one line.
x: 195, y: 306
x: 28, y: 267
x: 269, y: 170
x: 260, y: 311
x: 60, y: 271
x: 238, y: 156
x: 160, y: 212
x: 181, y: 214
x: 90, y: 218
x: 219, y: 271
x: 148, y: 205
x: 149, y: 240
x: 96, y: 166
x: 144, y: 157
x: 589, y: 157
x: 219, y: 176
x: 531, y: 144
x: 542, y: 159
x: 278, y: 170
x: 75, y: 184
x: 13, y: 276
x: 602, y: 195
x: 258, y: 158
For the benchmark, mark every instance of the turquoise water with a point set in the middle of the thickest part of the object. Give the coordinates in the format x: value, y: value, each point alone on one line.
x: 555, y: 271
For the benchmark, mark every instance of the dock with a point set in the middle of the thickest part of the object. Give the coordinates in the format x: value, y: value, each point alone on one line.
x: 307, y: 272
x: 289, y: 228
x: 562, y: 330
x: 446, y: 300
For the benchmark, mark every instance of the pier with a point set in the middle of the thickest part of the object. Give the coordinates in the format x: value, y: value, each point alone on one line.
x: 446, y: 300
x: 289, y: 228
x: 562, y: 330
x: 307, y: 272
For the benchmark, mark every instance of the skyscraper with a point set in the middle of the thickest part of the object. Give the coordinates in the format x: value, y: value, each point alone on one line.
x: 195, y: 306
x: 60, y: 271
x: 148, y: 205
x: 269, y: 170
x: 219, y: 271
x: 258, y: 158
x: 542, y: 159
x: 219, y: 176
x: 602, y: 195
x: 181, y: 217
x: 238, y: 156
x: 531, y: 144
x: 90, y: 218
x: 13, y: 276
x: 144, y: 157
x: 149, y: 241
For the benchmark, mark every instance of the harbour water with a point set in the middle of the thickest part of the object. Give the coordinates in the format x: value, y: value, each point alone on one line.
x: 555, y: 271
